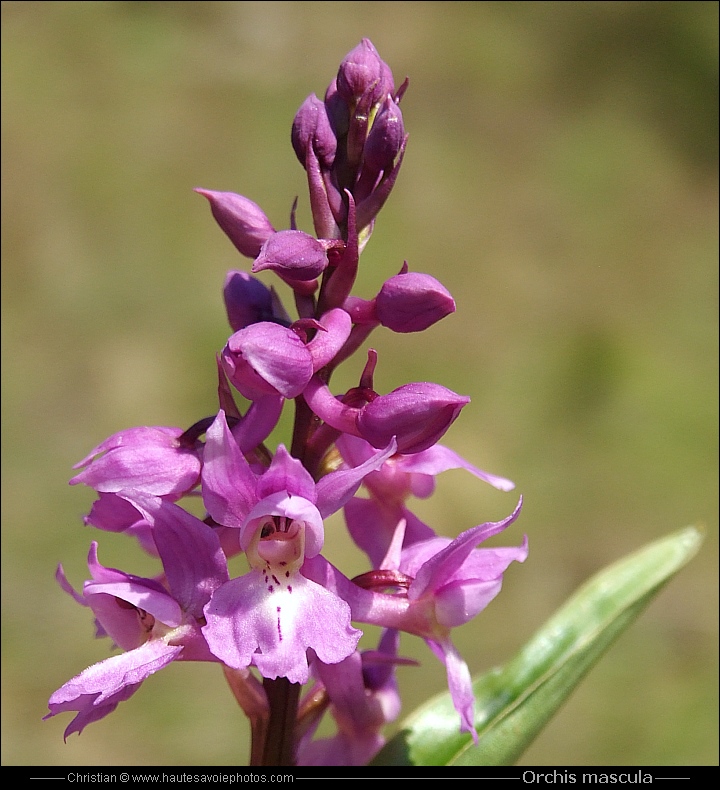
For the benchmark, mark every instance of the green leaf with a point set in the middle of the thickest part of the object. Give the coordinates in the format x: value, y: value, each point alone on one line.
x: 513, y: 703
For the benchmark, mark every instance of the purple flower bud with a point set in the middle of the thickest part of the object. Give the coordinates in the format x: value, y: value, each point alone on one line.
x: 363, y: 70
x: 243, y: 221
x: 368, y: 206
x: 337, y: 110
x: 265, y: 359
x: 411, y: 302
x: 247, y: 300
x: 385, y: 138
x: 417, y: 414
x: 294, y: 255
x: 312, y: 125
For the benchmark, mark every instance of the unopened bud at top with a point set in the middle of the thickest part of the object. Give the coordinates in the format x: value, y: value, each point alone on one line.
x: 364, y: 70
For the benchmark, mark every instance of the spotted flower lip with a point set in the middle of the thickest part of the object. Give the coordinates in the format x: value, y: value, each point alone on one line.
x: 271, y: 621
x: 273, y: 615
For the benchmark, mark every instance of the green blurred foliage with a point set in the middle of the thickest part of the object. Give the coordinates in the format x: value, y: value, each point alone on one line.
x: 560, y: 180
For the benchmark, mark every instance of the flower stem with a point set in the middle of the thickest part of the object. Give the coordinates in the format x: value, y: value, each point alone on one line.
x: 283, y: 698
x: 305, y: 424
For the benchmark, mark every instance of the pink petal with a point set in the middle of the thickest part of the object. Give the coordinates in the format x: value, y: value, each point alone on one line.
x: 438, y: 459
x: 98, y: 690
x: 147, y: 459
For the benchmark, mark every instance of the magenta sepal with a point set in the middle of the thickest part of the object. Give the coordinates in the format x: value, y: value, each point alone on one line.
x: 150, y: 459
x: 98, y: 690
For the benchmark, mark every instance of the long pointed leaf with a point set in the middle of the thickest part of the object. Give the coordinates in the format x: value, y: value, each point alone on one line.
x: 513, y: 703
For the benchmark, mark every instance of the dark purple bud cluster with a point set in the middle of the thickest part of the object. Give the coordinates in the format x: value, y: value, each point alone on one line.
x: 352, y: 142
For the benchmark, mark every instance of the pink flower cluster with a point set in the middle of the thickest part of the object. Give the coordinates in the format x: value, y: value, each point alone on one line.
x: 293, y: 614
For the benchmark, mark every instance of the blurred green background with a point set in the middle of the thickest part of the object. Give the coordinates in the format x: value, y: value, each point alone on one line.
x: 560, y: 180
